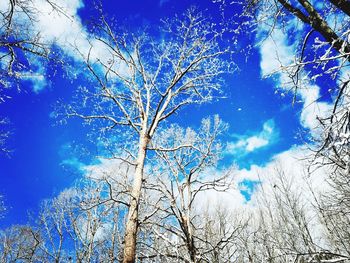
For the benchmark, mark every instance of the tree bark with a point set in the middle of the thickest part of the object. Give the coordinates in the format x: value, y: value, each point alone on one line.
x: 319, y: 24
x: 315, y: 20
x: 132, y: 220
x: 343, y: 5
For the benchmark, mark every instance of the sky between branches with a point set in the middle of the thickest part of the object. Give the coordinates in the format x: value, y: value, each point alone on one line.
x: 264, y: 126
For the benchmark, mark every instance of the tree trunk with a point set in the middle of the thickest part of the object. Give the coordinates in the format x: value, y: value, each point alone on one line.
x: 132, y: 220
x: 191, y: 245
x: 192, y: 249
x: 321, y: 25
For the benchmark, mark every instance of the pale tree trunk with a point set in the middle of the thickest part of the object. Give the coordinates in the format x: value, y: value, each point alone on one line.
x: 142, y: 105
x: 191, y: 246
x: 132, y: 220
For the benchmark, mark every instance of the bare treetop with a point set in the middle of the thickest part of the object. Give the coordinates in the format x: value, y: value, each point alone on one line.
x: 148, y: 78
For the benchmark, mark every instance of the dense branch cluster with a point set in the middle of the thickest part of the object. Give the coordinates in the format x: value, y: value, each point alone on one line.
x: 143, y: 83
x: 149, y: 199
x: 83, y: 225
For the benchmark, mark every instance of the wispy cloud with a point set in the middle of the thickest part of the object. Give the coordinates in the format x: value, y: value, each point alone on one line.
x: 73, y: 163
x: 276, y: 52
x: 70, y: 158
x: 64, y: 28
x: 37, y: 79
x: 250, y: 143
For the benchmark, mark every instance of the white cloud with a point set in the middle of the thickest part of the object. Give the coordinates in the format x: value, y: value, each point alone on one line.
x: 247, y: 144
x: 276, y: 52
x: 255, y: 142
x: 312, y: 107
x: 37, y: 78
x: 119, y: 172
x: 4, y: 6
x: 39, y: 82
x: 74, y: 163
x: 293, y: 163
x: 64, y: 28
x: 68, y: 32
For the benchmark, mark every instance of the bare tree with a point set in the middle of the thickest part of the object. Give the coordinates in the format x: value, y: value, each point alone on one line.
x: 334, y: 143
x: 333, y: 210
x: 185, y: 169
x: 287, y: 227
x: 79, y: 226
x: 176, y: 222
x: 19, y: 243
x: 144, y: 82
x: 288, y: 220
x: 319, y: 34
x: 76, y: 226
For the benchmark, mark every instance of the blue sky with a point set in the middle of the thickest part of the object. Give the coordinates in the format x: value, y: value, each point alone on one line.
x: 47, y: 157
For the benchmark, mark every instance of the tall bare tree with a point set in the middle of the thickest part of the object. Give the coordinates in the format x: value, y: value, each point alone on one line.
x: 185, y: 164
x: 144, y: 82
